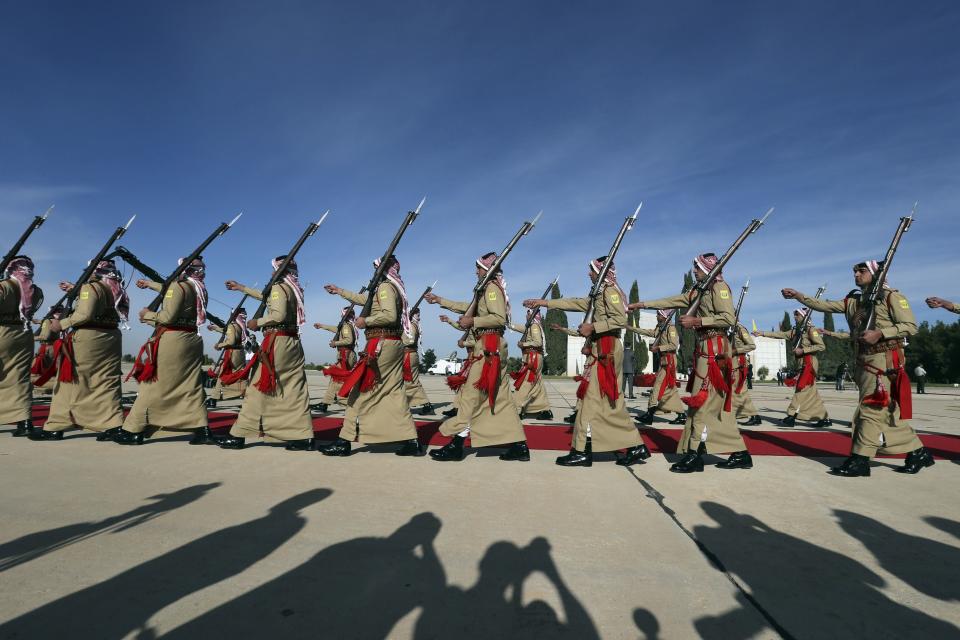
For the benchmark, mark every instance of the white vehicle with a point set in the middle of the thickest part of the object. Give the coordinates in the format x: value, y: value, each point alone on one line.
x: 446, y: 366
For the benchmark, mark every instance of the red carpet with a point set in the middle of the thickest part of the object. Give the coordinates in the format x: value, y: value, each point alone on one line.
x: 808, y: 444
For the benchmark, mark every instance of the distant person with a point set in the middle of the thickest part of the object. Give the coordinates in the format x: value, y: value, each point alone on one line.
x: 627, y: 385
x: 750, y: 376
x: 921, y: 375
x: 841, y: 375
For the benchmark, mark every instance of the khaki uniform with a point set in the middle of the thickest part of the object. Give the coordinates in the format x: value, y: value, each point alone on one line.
x: 16, y: 356
x: 607, y: 423
x: 382, y: 413
x: 175, y: 400
x: 92, y: 400
x: 468, y: 344
x: 742, y: 345
x: 232, y: 340
x: 709, y: 423
x: 574, y: 334
x: 876, y: 429
x: 531, y: 396
x: 345, y: 342
x: 501, y: 423
x: 806, y: 403
x: 662, y: 397
x: 283, y: 414
x: 416, y: 396
x: 953, y: 307
x: 44, y: 339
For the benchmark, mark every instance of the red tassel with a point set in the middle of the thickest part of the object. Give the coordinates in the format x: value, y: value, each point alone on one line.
x: 490, y: 375
x: 457, y: 380
x: 364, y: 373
x: 606, y: 372
x: 901, y: 388
x: 879, y: 398
x: 645, y: 379
x: 39, y: 362
x: 698, y: 400
x: 807, y: 377
x: 790, y: 382
x: 584, y: 381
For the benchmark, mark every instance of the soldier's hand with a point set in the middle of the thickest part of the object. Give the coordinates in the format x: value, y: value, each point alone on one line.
x: 54, y: 326
x: 585, y: 329
x: 211, y: 327
x: 143, y: 313
x: 871, y: 336
x: 432, y: 298
x: 65, y: 286
x: 461, y: 343
x: 690, y: 322
x: 935, y: 303
x: 361, y: 323
x: 233, y: 285
x: 633, y: 306
x: 332, y: 345
x: 534, y: 303
x: 465, y: 322
x: 798, y: 352
x: 790, y: 294
x: 252, y: 324
x: 654, y: 349
x: 585, y: 350
x: 332, y: 289
x: 444, y: 318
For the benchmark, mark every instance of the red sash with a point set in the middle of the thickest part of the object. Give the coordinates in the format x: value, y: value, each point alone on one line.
x: 489, y: 378
x: 719, y: 379
x: 741, y: 372
x: 407, y: 366
x: 267, y: 382
x: 364, y: 373
x: 62, y: 363
x: 609, y: 386
x: 807, y: 377
x: 900, y: 387
x: 456, y: 380
x: 226, y: 368
x: 341, y: 370
x: 668, y: 360
x: 145, y: 367
x: 531, y: 363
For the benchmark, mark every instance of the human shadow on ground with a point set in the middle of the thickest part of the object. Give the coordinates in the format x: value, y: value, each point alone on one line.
x: 948, y: 526
x: 928, y: 566
x: 37, y: 544
x: 124, y: 603
x: 805, y: 589
x: 362, y: 588
x: 647, y: 623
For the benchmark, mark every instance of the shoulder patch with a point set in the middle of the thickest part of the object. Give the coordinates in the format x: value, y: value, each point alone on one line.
x: 615, y: 297
x: 84, y: 295
x: 673, y: 332
x: 383, y: 293
x: 816, y: 334
x: 904, y: 304
x: 169, y: 293
x: 491, y: 295
x: 724, y: 294
x: 275, y: 295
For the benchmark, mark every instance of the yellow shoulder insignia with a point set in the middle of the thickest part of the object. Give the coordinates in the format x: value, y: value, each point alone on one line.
x: 816, y: 333
x: 275, y: 295
x: 169, y: 293
x: 491, y: 295
x: 383, y: 293
x: 724, y: 293
x: 615, y: 298
x: 84, y: 295
x: 904, y: 304
x: 673, y: 332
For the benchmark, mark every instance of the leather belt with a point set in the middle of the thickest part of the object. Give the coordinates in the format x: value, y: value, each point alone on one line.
x: 382, y: 332
x: 881, y: 347
x: 706, y: 334
x: 176, y: 327
x: 484, y: 332
x: 529, y: 349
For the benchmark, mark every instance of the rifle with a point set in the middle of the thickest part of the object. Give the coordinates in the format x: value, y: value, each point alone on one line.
x: 701, y: 286
x: 481, y: 286
x: 224, y: 325
x: 343, y: 318
x: 185, y: 263
x: 870, y: 300
x: 66, y: 301
x: 732, y: 331
x: 602, y: 276
x: 423, y: 295
x: 282, y: 267
x: 533, y: 312
x: 801, y: 327
x: 378, y: 273
x: 15, y: 250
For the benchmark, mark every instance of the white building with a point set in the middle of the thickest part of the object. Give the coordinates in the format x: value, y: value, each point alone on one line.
x: 770, y: 353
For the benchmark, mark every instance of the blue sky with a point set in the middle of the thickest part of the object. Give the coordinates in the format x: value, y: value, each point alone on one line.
x: 839, y: 114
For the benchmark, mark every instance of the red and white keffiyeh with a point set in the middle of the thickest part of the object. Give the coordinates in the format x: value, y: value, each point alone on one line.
x: 485, y: 262
x: 611, y: 278
x: 109, y: 275
x: 194, y: 275
x: 392, y: 274
x: 292, y: 278
x: 21, y: 270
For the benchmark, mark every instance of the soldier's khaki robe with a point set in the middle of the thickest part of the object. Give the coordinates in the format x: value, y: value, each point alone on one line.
x: 175, y: 400
x: 344, y: 338
x: 876, y: 429
x: 806, y: 404
x: 573, y: 334
x: 416, y: 396
x: 283, y: 414
x: 92, y: 400
x: 233, y: 340
x: 668, y: 342
x: 607, y: 424
x: 489, y: 426
x: 531, y: 396
x: 16, y: 357
x: 743, y: 344
x: 381, y: 414
x: 468, y: 343
x: 708, y: 424
x: 953, y: 306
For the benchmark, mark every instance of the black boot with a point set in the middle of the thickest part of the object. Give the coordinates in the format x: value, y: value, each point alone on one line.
x: 752, y: 421
x: 789, y: 421
x: 647, y: 416
x: 427, y: 409
x: 322, y: 407
x: 543, y: 415
x: 339, y: 448
x: 125, y: 437
x: 578, y: 458
x: 211, y: 403
x: 450, y: 412
x: 737, y: 460
x: 517, y: 451
x: 633, y: 455
x: 300, y: 445
x: 203, y: 436
x: 40, y: 434
x: 452, y: 451
x: 108, y: 435
x: 231, y: 442
x: 410, y: 448
x: 691, y: 461
x: 680, y: 419
x: 570, y: 419
x: 24, y: 428
x: 916, y: 460
x: 822, y: 424
x: 853, y: 467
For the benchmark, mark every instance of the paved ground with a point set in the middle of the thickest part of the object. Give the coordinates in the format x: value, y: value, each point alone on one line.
x: 102, y: 541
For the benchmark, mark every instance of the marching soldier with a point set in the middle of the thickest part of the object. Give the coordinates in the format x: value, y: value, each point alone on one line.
x: 664, y: 396
x: 276, y: 403
x: 19, y: 300
x: 233, y: 344
x: 411, y: 368
x: 377, y: 407
x: 529, y: 394
x: 486, y: 410
x: 806, y: 403
x: 345, y: 342
x: 602, y: 423
x: 742, y: 403
x: 880, y: 423
x: 934, y: 303
x: 711, y: 427
x: 455, y: 381
x: 572, y: 418
x: 169, y: 365
x: 87, y: 363
x: 44, y: 361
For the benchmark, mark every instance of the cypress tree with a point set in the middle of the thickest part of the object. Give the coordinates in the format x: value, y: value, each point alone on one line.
x: 555, y: 363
